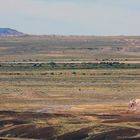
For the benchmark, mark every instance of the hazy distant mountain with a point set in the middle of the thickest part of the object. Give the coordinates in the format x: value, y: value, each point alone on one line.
x: 9, y: 32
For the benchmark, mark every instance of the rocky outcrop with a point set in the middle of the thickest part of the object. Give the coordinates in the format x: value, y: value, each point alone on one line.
x: 134, y: 106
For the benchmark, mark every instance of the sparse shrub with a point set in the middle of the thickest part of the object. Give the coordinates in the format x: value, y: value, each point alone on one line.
x: 52, y: 64
x: 52, y: 73
x: 74, y: 72
x: 44, y: 73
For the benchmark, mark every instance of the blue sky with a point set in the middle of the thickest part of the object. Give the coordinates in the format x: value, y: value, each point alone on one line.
x: 72, y: 17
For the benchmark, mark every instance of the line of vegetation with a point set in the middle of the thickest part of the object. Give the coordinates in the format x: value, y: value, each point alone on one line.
x: 67, y: 66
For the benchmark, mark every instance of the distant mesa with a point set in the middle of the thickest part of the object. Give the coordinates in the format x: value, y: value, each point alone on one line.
x: 5, y: 32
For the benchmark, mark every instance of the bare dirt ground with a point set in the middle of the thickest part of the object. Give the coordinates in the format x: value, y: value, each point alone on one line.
x: 61, y: 126
x: 89, y: 106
